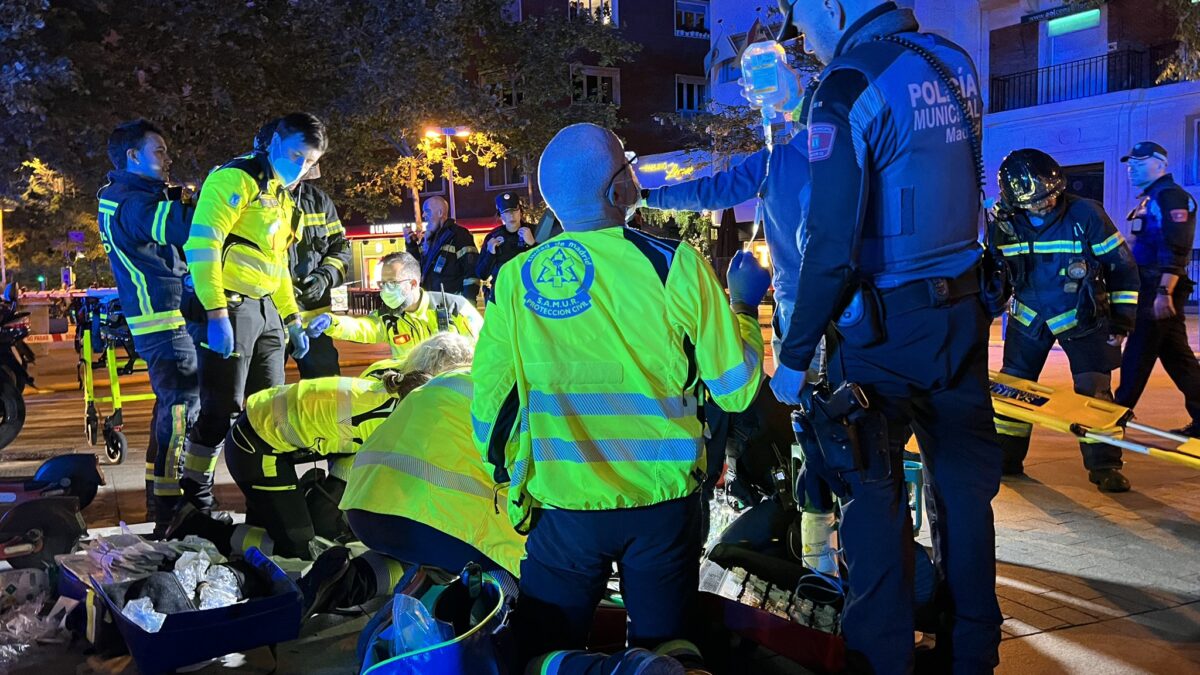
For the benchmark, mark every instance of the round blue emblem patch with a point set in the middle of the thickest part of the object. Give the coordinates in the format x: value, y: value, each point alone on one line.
x: 557, y: 278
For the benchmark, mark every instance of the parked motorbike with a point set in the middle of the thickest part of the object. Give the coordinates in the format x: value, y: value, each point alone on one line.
x: 15, y: 359
x: 40, y: 514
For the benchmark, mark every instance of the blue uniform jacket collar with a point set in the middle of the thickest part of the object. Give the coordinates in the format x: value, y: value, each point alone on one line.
x: 886, y: 19
x: 1160, y: 183
x: 134, y: 181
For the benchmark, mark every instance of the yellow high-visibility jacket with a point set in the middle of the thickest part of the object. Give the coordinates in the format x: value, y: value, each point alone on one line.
x: 326, y: 415
x: 591, y: 365
x: 421, y: 465
x: 405, y: 330
x: 244, y: 223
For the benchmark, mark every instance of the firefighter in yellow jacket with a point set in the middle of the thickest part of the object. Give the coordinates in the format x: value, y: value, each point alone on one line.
x: 409, y: 316
x: 242, y: 296
x: 588, y: 375
x: 282, y: 427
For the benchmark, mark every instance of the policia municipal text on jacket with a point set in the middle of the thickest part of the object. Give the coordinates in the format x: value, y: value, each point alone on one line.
x: 894, y: 138
x: 282, y: 427
x: 318, y: 262
x: 587, y: 381
x: 142, y: 231
x: 243, y: 296
x: 1075, y: 282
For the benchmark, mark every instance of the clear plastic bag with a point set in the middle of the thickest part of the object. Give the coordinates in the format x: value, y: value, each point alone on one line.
x: 142, y: 613
x: 220, y: 588
x: 190, y: 569
x: 413, y: 627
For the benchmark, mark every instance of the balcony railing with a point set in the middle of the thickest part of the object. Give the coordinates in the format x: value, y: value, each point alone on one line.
x: 1115, y: 71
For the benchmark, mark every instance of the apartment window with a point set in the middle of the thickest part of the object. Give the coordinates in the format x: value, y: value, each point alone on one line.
x: 597, y: 85
x: 691, y: 18
x: 604, y: 11
x: 505, y: 88
x: 506, y: 174
x: 691, y: 94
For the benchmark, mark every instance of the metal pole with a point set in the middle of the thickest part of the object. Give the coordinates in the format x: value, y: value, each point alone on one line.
x: 450, y: 160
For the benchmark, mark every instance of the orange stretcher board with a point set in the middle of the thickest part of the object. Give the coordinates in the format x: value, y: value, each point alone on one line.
x: 1081, y: 416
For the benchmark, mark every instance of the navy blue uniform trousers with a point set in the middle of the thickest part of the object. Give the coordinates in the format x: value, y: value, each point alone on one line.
x: 569, y: 558
x: 931, y: 374
x: 171, y: 364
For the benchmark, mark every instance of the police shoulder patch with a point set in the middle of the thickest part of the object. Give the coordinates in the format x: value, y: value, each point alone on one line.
x: 557, y: 277
x: 1179, y: 215
x: 820, y: 141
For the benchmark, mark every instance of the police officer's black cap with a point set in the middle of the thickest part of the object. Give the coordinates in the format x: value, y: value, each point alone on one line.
x: 788, y: 30
x: 507, y: 201
x: 1146, y: 150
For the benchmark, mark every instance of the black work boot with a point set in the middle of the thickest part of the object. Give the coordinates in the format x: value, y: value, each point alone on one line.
x: 1109, y: 480
x: 321, y: 586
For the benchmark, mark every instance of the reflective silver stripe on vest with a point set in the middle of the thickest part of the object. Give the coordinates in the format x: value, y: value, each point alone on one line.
x: 283, y: 422
x: 616, y: 450
x: 573, y: 405
x: 424, y: 471
x: 345, y: 400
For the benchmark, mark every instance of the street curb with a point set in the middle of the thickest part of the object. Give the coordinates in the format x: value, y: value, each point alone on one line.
x: 142, y: 378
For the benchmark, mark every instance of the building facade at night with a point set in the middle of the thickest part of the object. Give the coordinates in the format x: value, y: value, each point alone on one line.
x: 666, y: 75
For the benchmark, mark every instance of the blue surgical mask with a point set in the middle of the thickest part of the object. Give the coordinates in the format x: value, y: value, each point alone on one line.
x: 289, y: 171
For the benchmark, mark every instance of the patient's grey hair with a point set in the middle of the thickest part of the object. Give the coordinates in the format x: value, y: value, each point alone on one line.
x: 442, y: 352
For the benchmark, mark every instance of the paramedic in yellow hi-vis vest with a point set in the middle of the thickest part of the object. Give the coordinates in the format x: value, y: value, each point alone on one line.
x: 588, y: 375
x: 242, y: 299
x: 282, y: 427
x: 409, y: 314
x: 418, y: 492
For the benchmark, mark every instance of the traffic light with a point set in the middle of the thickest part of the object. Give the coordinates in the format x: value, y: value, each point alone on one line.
x: 41, y: 279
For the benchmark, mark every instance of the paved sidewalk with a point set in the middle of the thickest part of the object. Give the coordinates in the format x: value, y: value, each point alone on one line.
x: 1088, y: 582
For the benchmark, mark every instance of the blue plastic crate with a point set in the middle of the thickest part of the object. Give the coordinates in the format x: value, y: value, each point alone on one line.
x: 192, y: 637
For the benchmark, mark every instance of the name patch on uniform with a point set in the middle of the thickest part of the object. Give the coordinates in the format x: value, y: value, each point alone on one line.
x: 1179, y: 215
x: 401, y: 339
x: 557, y: 279
x: 235, y: 199
x: 820, y: 141
x: 268, y: 201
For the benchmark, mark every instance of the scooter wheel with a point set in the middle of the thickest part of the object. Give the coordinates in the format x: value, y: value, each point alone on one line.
x: 115, y: 447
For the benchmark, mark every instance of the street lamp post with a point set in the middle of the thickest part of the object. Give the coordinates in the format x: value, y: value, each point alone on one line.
x: 3, y: 267
x: 449, y: 133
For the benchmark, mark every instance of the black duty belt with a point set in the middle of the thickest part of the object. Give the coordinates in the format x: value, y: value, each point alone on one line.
x: 925, y: 293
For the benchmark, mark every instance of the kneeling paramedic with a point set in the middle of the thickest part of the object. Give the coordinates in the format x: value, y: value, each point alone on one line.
x: 1075, y: 282
x: 142, y: 227
x: 891, y: 251
x: 418, y: 492
x: 588, y: 374
x: 243, y: 297
x: 410, y: 314
x: 281, y: 428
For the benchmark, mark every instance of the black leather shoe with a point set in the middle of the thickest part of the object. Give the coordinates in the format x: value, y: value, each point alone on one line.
x: 1109, y: 480
x: 320, y: 586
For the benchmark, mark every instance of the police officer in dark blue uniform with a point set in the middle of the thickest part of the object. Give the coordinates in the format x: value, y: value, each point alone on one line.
x: 891, y: 246
x: 1163, y: 226
x: 513, y: 237
x: 1074, y: 282
x: 143, y: 227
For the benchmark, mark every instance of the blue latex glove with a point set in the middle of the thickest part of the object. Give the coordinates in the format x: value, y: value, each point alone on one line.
x: 319, y: 325
x: 298, y: 338
x: 220, y: 336
x: 786, y: 384
x: 748, y: 280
